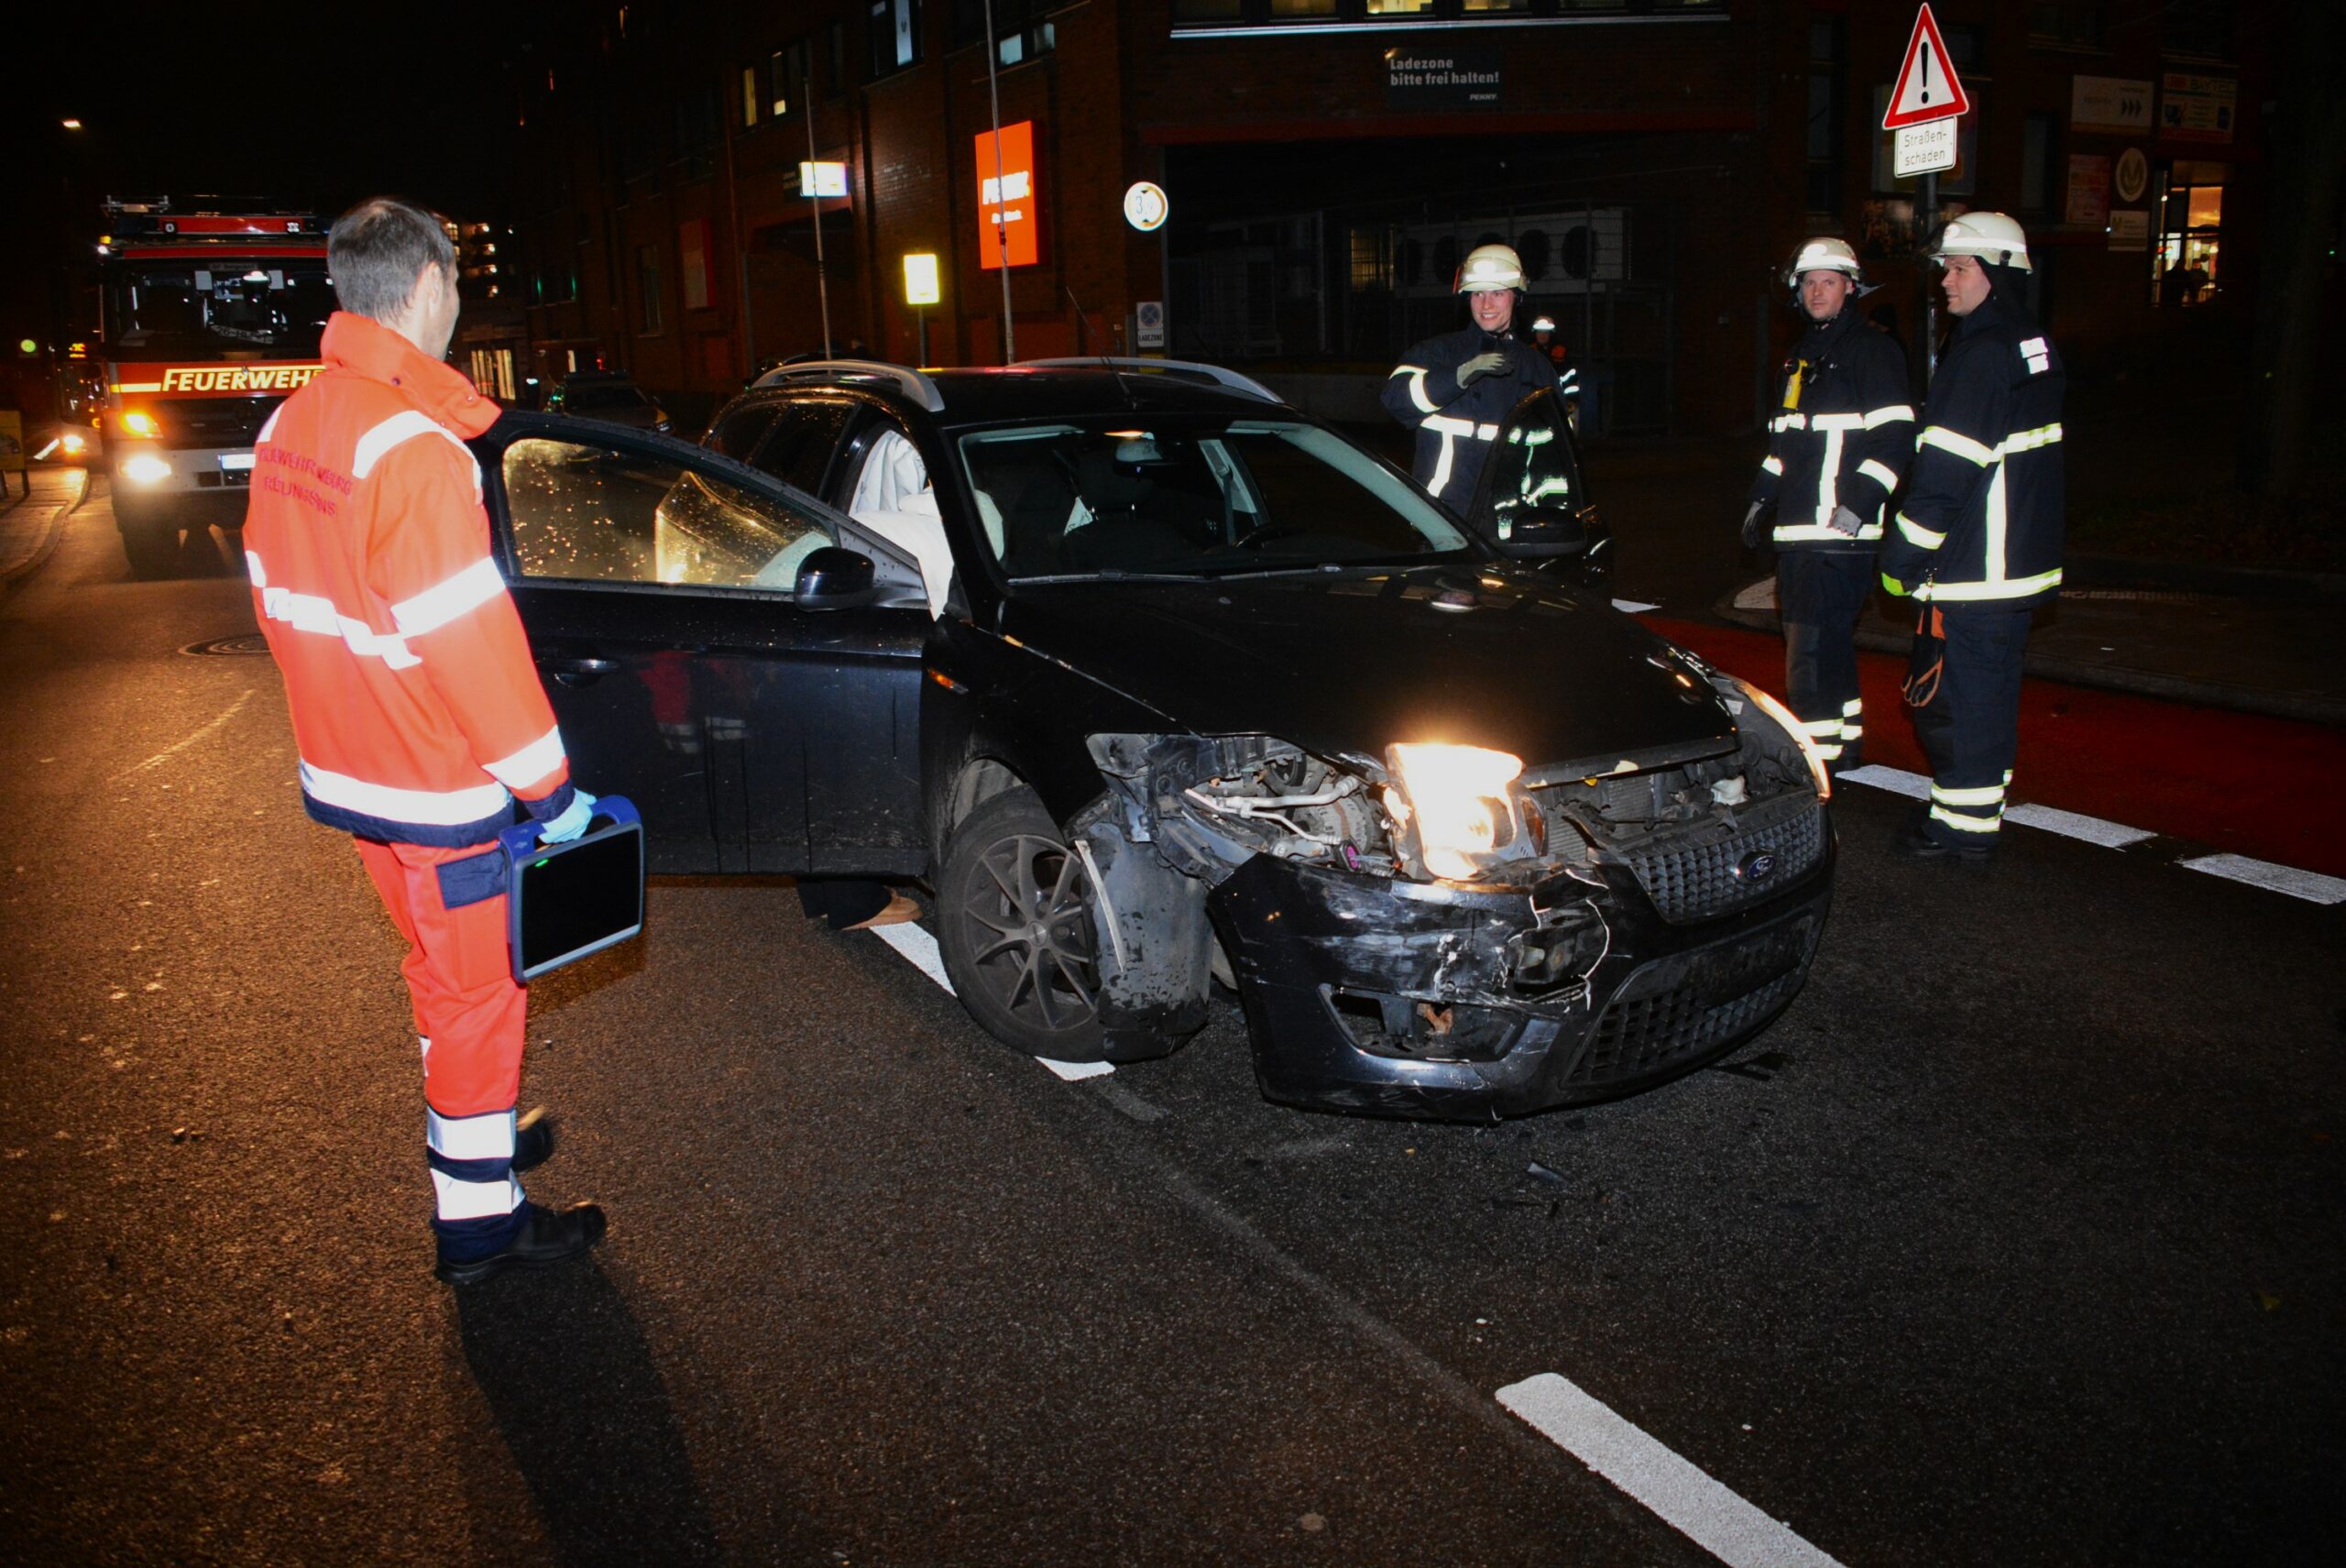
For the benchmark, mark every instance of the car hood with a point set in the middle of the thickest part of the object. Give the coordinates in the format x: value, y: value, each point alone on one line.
x: 1348, y: 663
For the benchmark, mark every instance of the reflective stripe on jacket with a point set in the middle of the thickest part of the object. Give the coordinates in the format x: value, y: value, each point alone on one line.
x: 1841, y: 435
x: 1456, y: 424
x: 1982, y: 518
x: 416, y: 708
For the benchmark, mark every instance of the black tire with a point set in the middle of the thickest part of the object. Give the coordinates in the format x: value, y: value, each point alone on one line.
x: 1015, y: 923
x: 150, y: 540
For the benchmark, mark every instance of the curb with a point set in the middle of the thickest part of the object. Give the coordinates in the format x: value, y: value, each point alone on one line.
x: 41, y: 551
x: 2304, y: 708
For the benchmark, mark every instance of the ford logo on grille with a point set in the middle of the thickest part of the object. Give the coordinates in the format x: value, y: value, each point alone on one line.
x: 1757, y: 866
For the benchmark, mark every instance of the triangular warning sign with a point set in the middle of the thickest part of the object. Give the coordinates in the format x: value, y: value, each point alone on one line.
x: 1927, y: 86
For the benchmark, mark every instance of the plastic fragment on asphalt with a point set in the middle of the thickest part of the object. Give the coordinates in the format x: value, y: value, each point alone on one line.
x: 2069, y: 825
x: 1073, y: 1070
x: 2311, y: 887
x: 1681, y: 1496
x: 1541, y: 1173
x: 1632, y: 607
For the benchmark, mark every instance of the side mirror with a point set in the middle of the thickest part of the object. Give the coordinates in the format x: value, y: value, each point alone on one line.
x: 1541, y: 533
x: 833, y: 578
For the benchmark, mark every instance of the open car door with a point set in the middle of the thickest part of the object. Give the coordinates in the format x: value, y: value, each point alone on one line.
x: 1531, y: 504
x: 713, y: 649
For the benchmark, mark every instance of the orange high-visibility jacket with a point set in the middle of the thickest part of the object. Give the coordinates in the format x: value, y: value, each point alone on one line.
x: 416, y: 709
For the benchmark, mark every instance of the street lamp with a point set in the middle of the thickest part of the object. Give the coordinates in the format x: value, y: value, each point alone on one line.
x: 70, y: 124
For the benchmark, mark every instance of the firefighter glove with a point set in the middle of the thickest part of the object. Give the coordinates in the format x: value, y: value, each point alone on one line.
x: 572, y: 820
x: 1895, y: 588
x: 1844, y: 521
x: 1482, y: 365
x: 1751, y: 524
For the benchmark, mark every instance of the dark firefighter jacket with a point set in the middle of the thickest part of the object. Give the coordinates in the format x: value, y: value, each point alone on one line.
x: 1456, y: 424
x: 1841, y: 437
x: 1981, y: 522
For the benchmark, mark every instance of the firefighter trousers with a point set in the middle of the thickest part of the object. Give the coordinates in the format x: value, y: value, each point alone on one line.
x: 1970, y: 731
x: 1820, y: 594
x: 470, y: 1015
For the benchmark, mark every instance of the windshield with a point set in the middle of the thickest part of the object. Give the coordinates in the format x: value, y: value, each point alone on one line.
x: 1192, y: 496
x: 271, y: 307
x: 606, y: 395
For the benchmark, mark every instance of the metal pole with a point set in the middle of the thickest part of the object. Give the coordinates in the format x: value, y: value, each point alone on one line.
x: 1926, y: 218
x: 924, y: 334
x: 822, y: 283
x: 742, y: 257
x: 1001, y: 229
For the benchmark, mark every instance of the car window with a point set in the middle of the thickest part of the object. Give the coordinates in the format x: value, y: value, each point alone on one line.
x: 799, y: 450
x: 1196, y: 494
x: 1531, y: 463
x: 584, y: 513
x: 736, y: 434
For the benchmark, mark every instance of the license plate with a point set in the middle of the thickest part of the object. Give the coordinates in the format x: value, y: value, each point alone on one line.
x: 235, y: 461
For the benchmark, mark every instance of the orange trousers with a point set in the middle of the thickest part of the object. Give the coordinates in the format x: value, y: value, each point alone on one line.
x: 469, y: 1009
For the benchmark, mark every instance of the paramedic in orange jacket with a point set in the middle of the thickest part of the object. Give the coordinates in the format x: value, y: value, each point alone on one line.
x: 416, y: 709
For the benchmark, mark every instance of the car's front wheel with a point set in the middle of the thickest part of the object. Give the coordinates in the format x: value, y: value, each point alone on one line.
x: 1014, y: 911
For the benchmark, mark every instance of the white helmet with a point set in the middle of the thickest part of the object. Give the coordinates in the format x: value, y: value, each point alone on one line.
x: 1488, y: 268
x: 1824, y: 253
x: 1991, y: 237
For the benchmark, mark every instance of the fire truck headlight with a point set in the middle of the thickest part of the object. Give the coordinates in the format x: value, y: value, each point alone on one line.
x: 138, y: 422
x: 145, y: 469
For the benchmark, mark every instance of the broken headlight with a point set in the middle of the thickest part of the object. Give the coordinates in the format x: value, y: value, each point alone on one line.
x: 1453, y: 805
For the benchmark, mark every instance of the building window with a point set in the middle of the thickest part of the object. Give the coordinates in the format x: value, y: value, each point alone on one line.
x: 1219, y: 15
x: 749, y: 96
x: 2064, y: 24
x: 647, y: 282
x: 2191, y: 218
x: 1828, y: 92
x: 2039, y: 176
x: 697, y: 132
x: 2199, y: 30
x: 894, y: 36
x: 834, y: 51
x: 1019, y: 34
x: 788, y: 76
x: 1399, y: 7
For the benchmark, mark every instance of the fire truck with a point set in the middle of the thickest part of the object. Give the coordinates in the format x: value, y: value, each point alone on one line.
x: 209, y: 317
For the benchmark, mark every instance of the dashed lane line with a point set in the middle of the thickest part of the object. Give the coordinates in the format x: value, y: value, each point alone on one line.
x: 919, y: 948
x: 1681, y: 1494
x: 2311, y: 887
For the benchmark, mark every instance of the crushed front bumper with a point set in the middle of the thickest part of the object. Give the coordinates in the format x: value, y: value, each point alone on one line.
x: 1390, y: 997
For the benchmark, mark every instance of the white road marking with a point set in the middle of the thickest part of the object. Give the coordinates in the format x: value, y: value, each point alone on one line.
x: 919, y: 949
x: 1690, y: 1501
x: 1632, y: 607
x: 168, y: 752
x: 2069, y: 825
x: 2311, y: 887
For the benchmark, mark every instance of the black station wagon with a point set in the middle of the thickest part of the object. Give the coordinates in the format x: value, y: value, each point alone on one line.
x: 1156, y: 683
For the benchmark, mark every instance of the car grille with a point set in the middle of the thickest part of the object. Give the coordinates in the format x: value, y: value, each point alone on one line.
x: 1690, y: 880
x: 214, y: 421
x: 1677, y: 1009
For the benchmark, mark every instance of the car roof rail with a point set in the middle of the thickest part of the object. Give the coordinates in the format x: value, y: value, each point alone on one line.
x: 906, y: 379
x: 1231, y: 379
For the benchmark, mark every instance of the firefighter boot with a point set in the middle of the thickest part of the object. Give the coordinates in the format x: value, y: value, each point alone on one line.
x: 540, y: 1237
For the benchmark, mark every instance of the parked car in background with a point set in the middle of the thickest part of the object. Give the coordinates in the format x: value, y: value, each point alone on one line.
x: 610, y: 396
x: 1158, y: 683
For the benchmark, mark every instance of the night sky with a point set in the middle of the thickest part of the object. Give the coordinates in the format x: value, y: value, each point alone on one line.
x: 316, y: 105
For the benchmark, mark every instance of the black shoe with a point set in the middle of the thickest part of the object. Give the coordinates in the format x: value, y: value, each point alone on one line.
x: 544, y: 1237
x: 533, y: 1139
x: 1917, y: 844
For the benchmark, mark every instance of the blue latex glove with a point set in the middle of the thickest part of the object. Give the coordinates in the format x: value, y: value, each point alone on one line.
x: 572, y: 820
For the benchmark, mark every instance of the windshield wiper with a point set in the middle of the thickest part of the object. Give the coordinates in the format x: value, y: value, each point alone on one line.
x: 1114, y: 574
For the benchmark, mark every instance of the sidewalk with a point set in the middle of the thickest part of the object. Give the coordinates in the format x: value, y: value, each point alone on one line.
x: 2193, y: 639
x: 29, y: 528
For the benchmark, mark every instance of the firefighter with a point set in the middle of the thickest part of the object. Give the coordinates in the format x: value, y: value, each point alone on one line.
x: 1838, y: 444
x: 1543, y: 338
x: 416, y: 710
x: 1979, y: 534
x: 1457, y: 388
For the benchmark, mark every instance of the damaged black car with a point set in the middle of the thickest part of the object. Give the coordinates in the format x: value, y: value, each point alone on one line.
x: 1158, y: 685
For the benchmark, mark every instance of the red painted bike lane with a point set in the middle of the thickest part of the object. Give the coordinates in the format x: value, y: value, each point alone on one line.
x: 2269, y: 788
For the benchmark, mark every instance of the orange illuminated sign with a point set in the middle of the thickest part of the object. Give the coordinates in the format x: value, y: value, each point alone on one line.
x: 1006, y: 205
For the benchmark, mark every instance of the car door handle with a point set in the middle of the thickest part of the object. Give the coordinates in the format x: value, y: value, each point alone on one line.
x: 578, y: 672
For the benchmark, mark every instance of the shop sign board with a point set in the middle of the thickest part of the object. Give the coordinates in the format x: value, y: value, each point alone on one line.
x: 2089, y: 189
x: 2196, y: 108
x: 2109, y: 104
x: 2130, y: 229
x: 1007, y: 228
x: 1421, y: 80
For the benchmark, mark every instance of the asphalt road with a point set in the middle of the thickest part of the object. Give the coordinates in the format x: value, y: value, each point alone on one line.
x: 2016, y: 1241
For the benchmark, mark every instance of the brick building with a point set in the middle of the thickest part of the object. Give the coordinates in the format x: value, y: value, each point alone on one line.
x: 1328, y: 160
